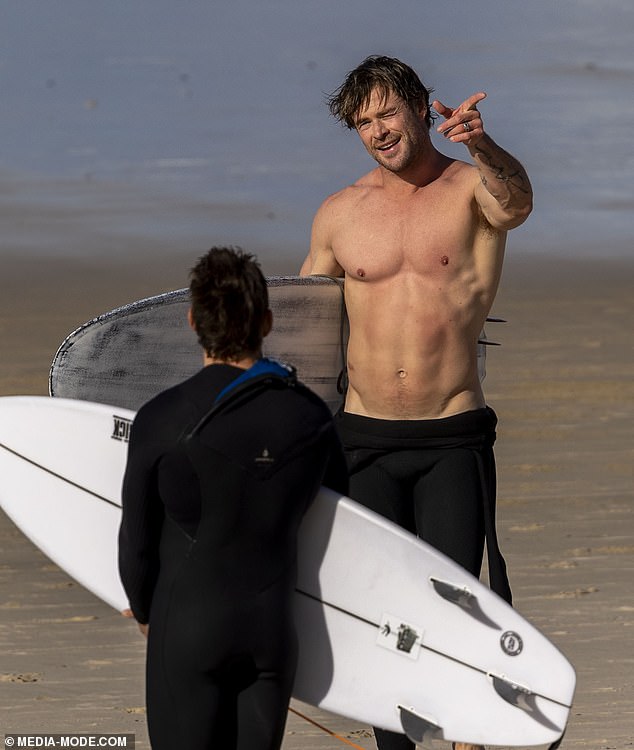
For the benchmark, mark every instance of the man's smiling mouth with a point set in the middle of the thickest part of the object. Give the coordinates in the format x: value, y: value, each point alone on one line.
x: 388, y: 146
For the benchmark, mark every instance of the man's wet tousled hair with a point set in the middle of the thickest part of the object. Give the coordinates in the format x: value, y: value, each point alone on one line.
x: 388, y: 75
x: 229, y: 303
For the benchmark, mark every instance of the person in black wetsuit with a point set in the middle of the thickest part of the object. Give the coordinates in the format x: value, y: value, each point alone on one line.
x: 220, y: 471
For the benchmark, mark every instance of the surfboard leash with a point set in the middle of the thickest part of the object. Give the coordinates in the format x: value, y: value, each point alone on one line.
x: 325, y: 729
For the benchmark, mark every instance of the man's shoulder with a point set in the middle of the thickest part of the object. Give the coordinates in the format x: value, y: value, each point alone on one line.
x: 175, y: 400
x: 339, y: 204
x: 458, y: 170
x: 300, y: 397
x: 297, y: 409
x: 455, y: 179
x: 354, y: 191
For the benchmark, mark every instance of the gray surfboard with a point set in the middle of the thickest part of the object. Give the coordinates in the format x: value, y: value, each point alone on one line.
x: 128, y: 355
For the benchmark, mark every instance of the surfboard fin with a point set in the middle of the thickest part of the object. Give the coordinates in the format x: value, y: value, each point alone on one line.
x: 523, y: 698
x: 464, y: 598
x: 420, y: 729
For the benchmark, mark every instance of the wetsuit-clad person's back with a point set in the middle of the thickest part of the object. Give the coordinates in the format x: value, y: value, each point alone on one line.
x: 213, y: 496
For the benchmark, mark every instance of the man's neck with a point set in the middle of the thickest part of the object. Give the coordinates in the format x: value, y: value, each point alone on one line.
x: 243, y: 362
x: 423, y: 172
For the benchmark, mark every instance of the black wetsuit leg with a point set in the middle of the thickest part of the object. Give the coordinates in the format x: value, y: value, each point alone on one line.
x: 435, y: 495
x: 440, y: 494
x: 221, y: 659
x: 223, y: 686
x: 237, y: 705
x: 449, y: 508
x: 439, y: 500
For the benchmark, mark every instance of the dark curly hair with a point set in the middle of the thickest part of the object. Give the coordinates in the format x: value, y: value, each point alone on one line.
x: 229, y: 302
x: 388, y: 75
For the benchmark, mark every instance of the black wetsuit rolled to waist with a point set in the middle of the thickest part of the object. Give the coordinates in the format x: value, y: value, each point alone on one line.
x: 435, y: 478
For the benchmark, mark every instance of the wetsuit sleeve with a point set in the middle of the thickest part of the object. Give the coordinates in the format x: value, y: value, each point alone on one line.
x: 142, y: 520
x: 336, y: 474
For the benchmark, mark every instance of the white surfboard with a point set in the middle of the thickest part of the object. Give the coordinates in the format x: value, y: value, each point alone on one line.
x: 128, y: 355
x: 392, y: 633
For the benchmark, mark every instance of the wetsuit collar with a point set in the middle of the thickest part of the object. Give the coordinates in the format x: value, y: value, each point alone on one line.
x: 261, y: 374
x: 262, y: 367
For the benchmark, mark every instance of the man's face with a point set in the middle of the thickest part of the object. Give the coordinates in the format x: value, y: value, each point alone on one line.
x: 393, y: 134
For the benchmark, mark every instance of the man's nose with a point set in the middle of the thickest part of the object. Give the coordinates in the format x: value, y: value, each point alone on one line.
x: 379, y: 130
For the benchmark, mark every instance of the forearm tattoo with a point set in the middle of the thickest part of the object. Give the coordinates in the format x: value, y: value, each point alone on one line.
x: 510, y: 173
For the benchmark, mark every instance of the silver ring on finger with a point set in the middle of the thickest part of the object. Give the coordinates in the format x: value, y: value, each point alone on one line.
x: 466, y: 126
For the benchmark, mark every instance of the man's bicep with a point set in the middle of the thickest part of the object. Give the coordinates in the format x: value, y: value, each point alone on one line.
x: 322, y: 263
x: 307, y: 266
x: 321, y: 259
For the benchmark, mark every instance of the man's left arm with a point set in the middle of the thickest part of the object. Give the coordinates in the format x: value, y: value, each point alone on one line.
x: 141, y: 520
x: 504, y: 192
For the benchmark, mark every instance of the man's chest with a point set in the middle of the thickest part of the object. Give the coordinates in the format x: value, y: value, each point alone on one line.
x: 380, y: 238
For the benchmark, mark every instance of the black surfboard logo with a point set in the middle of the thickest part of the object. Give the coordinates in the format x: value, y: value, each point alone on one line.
x: 511, y: 643
x: 121, y: 429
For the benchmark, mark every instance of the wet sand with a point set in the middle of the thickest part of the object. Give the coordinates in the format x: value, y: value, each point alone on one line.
x: 562, y: 385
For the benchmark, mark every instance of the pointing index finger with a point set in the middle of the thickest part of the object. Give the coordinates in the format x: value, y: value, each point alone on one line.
x: 472, y: 101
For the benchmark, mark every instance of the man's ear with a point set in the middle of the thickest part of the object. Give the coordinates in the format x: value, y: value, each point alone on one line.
x: 190, y: 319
x: 267, y: 324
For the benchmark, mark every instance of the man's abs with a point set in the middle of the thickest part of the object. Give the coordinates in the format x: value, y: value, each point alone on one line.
x: 402, y: 388
x: 412, y: 356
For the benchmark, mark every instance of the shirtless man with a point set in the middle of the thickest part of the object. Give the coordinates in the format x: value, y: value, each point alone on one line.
x: 420, y: 242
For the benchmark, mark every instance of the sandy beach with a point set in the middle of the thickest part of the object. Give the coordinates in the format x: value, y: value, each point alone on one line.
x: 563, y: 389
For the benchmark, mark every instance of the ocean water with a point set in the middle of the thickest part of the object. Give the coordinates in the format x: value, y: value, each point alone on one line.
x: 220, y: 106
